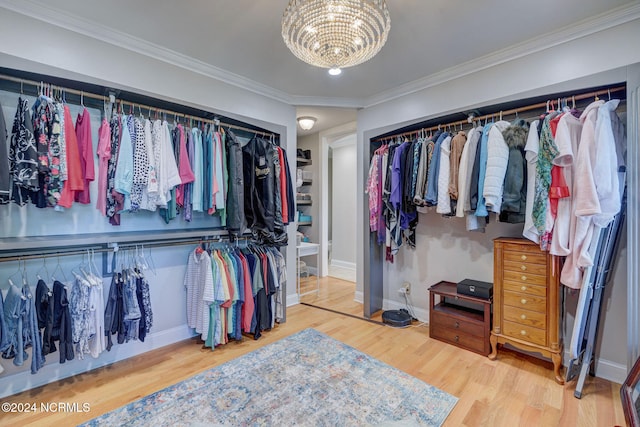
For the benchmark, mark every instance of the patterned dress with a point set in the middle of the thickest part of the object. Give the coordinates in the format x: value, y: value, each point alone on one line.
x: 23, y: 155
x: 114, y: 217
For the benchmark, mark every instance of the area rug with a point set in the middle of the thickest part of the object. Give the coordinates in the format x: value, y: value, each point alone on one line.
x: 306, y: 379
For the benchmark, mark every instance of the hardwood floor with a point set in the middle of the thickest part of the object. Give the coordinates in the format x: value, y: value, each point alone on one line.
x: 513, y: 391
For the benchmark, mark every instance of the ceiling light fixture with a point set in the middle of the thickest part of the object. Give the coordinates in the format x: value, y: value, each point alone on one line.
x: 307, y: 122
x: 335, y: 34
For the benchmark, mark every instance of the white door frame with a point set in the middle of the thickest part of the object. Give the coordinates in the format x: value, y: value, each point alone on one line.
x: 327, y: 138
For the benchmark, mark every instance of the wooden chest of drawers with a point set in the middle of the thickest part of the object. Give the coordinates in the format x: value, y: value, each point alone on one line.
x: 526, y: 311
x: 466, y: 326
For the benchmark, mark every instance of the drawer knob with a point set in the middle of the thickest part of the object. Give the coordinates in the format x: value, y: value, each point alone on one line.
x: 524, y: 278
x: 524, y: 288
x: 457, y: 325
x: 523, y: 316
x: 523, y: 257
x: 456, y: 338
x: 523, y: 332
x: 523, y: 301
x: 523, y: 267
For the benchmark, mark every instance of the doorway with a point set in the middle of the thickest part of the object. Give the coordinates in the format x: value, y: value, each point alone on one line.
x: 342, y: 195
x: 337, y: 223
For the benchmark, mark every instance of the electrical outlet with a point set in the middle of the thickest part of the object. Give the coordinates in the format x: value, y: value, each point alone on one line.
x: 405, y: 289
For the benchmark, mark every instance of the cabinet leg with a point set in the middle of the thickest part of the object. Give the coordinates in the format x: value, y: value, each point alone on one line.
x: 557, y: 367
x: 493, y: 339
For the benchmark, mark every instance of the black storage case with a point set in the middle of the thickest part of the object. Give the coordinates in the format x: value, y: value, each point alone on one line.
x: 475, y: 288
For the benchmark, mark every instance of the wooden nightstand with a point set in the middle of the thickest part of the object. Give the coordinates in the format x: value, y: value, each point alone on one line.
x: 457, y: 319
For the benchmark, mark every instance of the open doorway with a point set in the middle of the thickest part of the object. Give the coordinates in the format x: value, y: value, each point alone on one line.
x: 335, y: 171
x: 341, y: 206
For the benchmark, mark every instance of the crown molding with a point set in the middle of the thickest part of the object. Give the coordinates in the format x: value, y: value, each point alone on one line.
x: 609, y: 19
x: 92, y: 29
x: 48, y: 14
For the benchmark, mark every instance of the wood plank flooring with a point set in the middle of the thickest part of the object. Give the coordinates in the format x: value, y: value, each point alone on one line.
x: 513, y: 391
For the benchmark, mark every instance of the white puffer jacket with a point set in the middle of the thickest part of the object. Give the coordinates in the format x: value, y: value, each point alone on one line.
x: 497, y: 159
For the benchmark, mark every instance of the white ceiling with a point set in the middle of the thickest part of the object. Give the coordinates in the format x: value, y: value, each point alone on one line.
x: 241, y: 39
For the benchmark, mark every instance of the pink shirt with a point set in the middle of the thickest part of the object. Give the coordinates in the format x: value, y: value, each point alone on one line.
x: 85, y: 146
x: 184, y: 168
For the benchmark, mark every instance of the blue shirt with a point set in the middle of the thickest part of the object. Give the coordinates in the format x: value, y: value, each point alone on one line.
x: 434, y: 167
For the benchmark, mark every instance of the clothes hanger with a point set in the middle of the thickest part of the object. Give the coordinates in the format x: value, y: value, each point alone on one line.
x: 43, y: 267
x: 18, y: 271
x: 58, y: 268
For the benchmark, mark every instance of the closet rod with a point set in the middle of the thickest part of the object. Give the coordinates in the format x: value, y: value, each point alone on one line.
x: 133, y: 105
x: 123, y: 247
x: 537, y: 106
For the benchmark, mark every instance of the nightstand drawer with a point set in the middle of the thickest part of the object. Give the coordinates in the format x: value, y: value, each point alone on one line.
x: 525, y: 267
x: 459, y: 338
x: 525, y: 333
x: 525, y: 317
x: 526, y: 302
x: 440, y: 320
x: 518, y: 255
x: 525, y: 277
x: 525, y: 288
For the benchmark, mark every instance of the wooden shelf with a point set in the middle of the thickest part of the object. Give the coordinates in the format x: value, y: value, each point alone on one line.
x: 304, y: 202
x: 305, y: 223
x: 302, y: 161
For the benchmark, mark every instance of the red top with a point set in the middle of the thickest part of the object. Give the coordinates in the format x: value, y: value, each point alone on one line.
x: 74, y: 180
x: 85, y: 146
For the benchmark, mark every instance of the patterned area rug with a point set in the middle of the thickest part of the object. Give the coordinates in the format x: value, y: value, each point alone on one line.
x: 305, y: 379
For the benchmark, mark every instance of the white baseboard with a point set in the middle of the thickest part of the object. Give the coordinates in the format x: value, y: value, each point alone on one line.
x: 54, y: 371
x: 606, y: 369
x: 343, y: 264
x: 420, y: 313
x: 359, y: 297
x: 293, y: 299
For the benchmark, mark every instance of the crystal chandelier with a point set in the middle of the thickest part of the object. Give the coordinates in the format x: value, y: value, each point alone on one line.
x: 335, y: 34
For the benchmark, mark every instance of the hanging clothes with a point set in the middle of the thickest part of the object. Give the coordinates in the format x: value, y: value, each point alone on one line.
x: 593, y: 198
x: 236, y: 219
x: 464, y: 172
x: 104, y: 157
x: 80, y: 310
x: 5, y: 168
x: 140, y: 177
x: 44, y: 309
x: 23, y: 156
x: 75, y: 180
x: 443, y: 205
x: 455, y: 156
x: 14, y: 315
x: 85, y: 147
x: 143, y: 294
x: 111, y: 208
x: 62, y: 322
x: 496, y: 168
x: 515, y: 180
